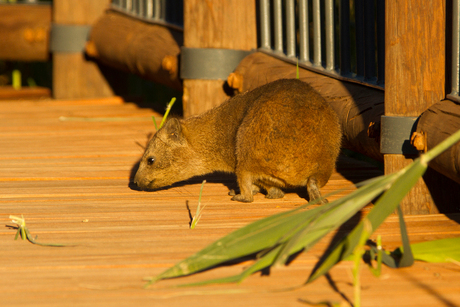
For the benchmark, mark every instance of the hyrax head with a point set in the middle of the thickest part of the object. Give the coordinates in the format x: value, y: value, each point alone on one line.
x: 166, y: 159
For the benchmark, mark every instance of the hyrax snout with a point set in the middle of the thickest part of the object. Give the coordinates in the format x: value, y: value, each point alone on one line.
x: 279, y: 135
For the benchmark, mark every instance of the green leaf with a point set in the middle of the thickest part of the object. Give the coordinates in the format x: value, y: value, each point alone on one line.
x: 25, y: 234
x: 385, y: 205
x: 168, y: 108
x: 443, y: 250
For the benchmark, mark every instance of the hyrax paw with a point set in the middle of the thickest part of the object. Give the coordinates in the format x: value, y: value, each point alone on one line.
x: 243, y: 199
x: 274, y: 193
x: 231, y: 192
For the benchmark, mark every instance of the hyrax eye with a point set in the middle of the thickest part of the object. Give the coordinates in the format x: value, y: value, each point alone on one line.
x: 150, y: 160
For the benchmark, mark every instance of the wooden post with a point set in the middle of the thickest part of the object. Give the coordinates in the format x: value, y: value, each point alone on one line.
x: 225, y: 24
x: 414, y: 75
x: 73, y: 75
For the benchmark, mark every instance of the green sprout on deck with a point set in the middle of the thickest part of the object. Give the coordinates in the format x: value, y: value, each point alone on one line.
x: 199, y: 209
x: 297, y: 73
x: 16, y: 79
x: 25, y: 234
x: 168, y: 108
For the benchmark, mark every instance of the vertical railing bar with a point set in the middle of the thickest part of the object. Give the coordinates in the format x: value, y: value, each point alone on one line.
x: 134, y: 7
x: 369, y: 40
x: 290, y: 28
x: 129, y: 5
x: 278, y: 25
x: 329, y: 12
x: 316, y: 33
x: 380, y: 41
x: 304, y: 47
x: 156, y: 11
x: 141, y: 7
x: 359, y: 24
x: 163, y: 10
x: 455, y: 48
x: 149, y: 9
x: 344, y: 19
x: 265, y: 39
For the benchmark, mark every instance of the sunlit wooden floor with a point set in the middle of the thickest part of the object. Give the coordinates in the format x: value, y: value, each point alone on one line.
x: 66, y: 166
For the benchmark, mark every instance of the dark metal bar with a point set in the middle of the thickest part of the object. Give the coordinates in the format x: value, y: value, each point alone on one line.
x: 304, y: 44
x: 157, y: 9
x: 140, y: 7
x: 359, y: 27
x: 329, y: 26
x: 381, y: 41
x: 290, y: 28
x: 316, y: 33
x: 369, y: 40
x: 265, y: 40
x: 455, y: 48
x: 345, y: 56
x: 163, y: 10
x: 278, y: 25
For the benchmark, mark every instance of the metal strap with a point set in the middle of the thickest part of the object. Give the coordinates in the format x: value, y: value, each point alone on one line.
x: 69, y: 38
x: 209, y: 63
x: 396, y: 132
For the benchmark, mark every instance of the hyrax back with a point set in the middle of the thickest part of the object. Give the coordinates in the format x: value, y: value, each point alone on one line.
x: 282, y: 134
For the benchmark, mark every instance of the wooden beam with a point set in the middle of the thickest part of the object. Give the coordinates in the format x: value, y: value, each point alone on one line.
x: 152, y: 52
x: 73, y: 75
x: 414, y: 75
x: 25, y: 93
x: 24, y: 32
x: 226, y: 24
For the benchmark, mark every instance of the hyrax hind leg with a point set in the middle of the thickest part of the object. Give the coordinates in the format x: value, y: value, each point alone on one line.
x: 246, y: 183
x: 274, y: 192
x: 313, y: 190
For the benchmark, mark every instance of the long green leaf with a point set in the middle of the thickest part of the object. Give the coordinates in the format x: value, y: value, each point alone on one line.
x: 386, y: 204
x: 443, y: 250
x: 276, y: 230
x: 245, y: 241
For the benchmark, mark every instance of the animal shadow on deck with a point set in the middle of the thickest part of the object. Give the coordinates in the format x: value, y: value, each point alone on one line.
x: 228, y: 180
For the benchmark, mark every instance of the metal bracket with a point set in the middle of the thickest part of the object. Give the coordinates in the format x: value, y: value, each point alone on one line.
x: 209, y: 63
x: 396, y: 132
x: 69, y: 38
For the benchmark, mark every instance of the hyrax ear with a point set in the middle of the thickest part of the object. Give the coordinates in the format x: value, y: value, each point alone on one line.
x: 173, y: 129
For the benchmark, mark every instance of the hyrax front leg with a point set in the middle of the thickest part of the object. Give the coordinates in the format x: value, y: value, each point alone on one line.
x: 255, y: 190
x: 313, y: 191
x: 245, y: 182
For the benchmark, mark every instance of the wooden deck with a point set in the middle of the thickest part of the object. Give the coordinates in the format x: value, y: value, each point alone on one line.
x: 66, y: 165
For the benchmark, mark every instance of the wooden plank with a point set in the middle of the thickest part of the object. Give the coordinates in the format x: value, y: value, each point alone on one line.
x: 414, y: 76
x: 25, y: 29
x: 215, y: 24
x: 73, y: 187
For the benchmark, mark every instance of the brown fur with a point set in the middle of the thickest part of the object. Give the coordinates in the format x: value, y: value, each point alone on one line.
x: 282, y: 134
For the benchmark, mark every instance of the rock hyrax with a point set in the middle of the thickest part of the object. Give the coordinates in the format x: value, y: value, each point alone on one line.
x: 279, y: 135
